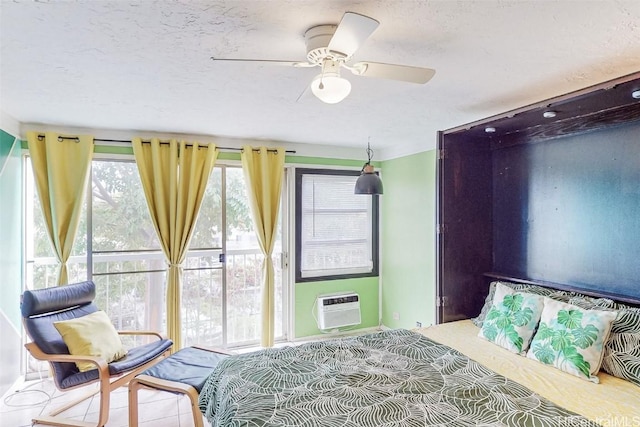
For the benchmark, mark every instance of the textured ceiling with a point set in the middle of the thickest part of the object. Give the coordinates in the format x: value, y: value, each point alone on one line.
x: 144, y: 66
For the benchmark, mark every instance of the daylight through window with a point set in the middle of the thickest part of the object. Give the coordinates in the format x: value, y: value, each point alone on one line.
x: 336, y: 230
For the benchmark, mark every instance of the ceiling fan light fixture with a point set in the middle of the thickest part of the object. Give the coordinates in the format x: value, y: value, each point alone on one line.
x: 330, y: 87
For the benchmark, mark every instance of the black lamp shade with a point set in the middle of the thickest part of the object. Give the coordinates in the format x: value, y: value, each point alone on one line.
x: 368, y: 183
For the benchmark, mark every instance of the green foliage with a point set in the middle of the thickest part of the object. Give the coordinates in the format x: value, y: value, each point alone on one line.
x: 493, y: 314
x: 561, y: 339
x: 585, y: 337
x: 562, y: 342
x: 544, y: 353
x: 120, y: 216
x: 544, y: 331
x: 522, y: 317
x: 571, y: 355
x: 571, y: 319
x: 512, y: 302
x: 490, y: 332
x: 513, y: 336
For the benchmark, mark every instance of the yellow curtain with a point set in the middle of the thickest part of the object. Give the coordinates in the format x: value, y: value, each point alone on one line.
x: 61, y: 169
x: 263, y: 171
x: 174, y: 177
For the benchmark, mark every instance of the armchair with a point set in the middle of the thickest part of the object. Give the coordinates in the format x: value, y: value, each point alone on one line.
x: 40, y: 309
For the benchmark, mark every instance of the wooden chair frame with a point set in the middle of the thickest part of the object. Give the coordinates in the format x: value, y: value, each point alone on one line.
x: 106, y: 385
x: 152, y: 383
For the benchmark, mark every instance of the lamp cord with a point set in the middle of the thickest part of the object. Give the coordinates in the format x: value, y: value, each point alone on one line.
x: 369, y: 153
x: 369, y: 156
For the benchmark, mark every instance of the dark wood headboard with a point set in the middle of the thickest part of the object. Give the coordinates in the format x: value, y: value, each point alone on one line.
x: 553, y: 201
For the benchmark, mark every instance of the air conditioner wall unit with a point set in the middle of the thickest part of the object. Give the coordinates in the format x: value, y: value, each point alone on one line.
x: 338, y: 310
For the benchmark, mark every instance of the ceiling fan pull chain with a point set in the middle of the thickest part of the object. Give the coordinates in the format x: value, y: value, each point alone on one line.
x: 321, y: 85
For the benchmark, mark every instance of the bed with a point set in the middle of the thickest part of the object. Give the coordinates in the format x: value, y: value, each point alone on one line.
x: 441, y: 375
x: 545, y: 204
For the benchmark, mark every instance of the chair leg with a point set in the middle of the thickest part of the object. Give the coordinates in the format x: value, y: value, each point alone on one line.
x: 74, y: 402
x: 195, y: 409
x: 153, y: 383
x: 53, y: 419
x: 134, y: 386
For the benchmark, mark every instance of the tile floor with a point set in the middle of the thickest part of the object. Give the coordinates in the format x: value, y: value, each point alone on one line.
x: 156, y: 408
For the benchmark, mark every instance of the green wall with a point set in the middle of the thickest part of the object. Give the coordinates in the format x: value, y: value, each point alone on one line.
x: 307, y: 292
x: 11, y: 229
x: 6, y: 144
x: 408, y: 240
x: 226, y: 155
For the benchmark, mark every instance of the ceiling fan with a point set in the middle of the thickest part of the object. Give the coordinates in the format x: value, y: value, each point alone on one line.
x: 331, y: 48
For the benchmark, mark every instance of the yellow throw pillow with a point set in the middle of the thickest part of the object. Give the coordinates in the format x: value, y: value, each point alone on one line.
x: 91, y: 335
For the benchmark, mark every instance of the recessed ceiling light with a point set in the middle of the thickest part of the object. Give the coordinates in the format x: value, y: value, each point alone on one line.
x: 489, y: 129
x: 636, y: 94
x: 549, y: 114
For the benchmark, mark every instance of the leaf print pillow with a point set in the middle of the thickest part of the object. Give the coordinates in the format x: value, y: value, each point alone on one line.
x: 512, y: 319
x: 571, y: 339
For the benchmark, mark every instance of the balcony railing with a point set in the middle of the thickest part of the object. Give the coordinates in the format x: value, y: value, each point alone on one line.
x: 130, y: 287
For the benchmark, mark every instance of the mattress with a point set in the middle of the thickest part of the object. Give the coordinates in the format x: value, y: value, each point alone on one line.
x: 612, y: 402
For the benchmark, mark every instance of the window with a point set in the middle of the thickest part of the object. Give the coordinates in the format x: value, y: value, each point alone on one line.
x: 117, y: 247
x: 336, y: 230
x: 126, y: 262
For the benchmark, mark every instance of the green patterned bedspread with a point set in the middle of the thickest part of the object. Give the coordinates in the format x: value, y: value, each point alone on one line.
x: 393, y: 378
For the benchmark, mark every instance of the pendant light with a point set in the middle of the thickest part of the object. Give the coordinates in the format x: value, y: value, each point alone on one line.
x: 368, y: 182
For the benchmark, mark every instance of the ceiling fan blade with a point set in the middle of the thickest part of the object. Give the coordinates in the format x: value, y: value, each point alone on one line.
x: 304, y: 94
x: 404, y: 73
x: 352, y: 31
x: 268, y: 61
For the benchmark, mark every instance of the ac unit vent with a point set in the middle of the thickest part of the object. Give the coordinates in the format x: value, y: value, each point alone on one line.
x: 337, y: 310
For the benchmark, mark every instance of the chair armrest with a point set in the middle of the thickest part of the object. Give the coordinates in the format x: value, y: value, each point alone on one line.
x: 38, y: 354
x: 152, y: 333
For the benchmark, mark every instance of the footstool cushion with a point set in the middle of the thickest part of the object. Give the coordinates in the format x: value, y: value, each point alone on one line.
x: 184, y: 372
x: 190, y: 366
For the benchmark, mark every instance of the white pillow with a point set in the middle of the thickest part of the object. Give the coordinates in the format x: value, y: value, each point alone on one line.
x: 571, y: 339
x: 512, y: 319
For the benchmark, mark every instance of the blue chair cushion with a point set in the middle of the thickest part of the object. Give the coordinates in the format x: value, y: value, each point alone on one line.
x: 190, y: 366
x: 135, y: 358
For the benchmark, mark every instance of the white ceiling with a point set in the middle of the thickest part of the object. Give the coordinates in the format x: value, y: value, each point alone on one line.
x: 144, y: 66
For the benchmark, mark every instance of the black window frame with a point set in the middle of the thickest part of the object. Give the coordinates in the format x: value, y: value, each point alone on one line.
x: 375, y: 227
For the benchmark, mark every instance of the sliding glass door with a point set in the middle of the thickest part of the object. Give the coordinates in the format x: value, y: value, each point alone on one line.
x: 117, y: 248
x: 222, y: 288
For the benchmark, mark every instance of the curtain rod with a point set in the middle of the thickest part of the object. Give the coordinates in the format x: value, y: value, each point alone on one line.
x: 60, y: 138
